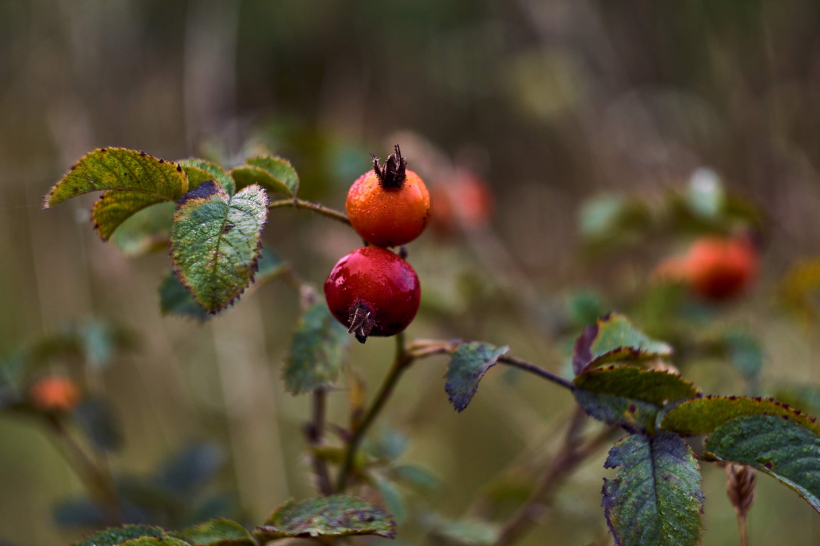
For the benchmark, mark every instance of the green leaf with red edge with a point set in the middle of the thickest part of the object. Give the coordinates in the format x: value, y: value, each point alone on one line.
x: 200, y: 170
x: 219, y: 532
x: 777, y: 445
x: 656, y: 498
x: 628, y: 395
x: 613, y: 338
x: 334, y: 516
x: 146, y: 231
x: 704, y: 415
x: 274, y: 174
x: 469, y: 363
x: 155, y: 541
x: 131, y: 181
x: 317, y: 351
x: 216, y: 241
x: 120, y: 535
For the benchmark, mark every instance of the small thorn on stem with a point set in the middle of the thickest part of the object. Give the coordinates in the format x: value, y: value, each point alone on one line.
x: 361, y: 321
x: 403, y: 252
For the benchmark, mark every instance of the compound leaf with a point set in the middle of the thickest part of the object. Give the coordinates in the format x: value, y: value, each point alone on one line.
x: 121, y: 535
x: 468, y: 365
x: 219, y: 532
x: 146, y: 231
x: 216, y: 241
x: 200, y: 170
x: 705, y: 415
x: 629, y: 396
x: 337, y: 515
x: 613, y: 338
x: 274, y: 174
x: 656, y: 497
x: 317, y: 351
x: 776, y: 445
x: 131, y: 181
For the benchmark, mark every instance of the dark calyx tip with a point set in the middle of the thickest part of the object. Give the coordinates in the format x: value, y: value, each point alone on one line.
x: 361, y: 321
x: 394, y: 171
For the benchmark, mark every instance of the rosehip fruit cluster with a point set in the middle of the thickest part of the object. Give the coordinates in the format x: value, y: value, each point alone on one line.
x: 373, y: 291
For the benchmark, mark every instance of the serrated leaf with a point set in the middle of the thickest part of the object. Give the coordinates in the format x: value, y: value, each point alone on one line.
x: 175, y: 299
x: 469, y: 363
x: 656, y: 497
x: 219, y: 532
x: 613, y: 338
x: 99, y: 421
x: 215, y: 242
x: 317, y: 351
x: 704, y: 415
x: 146, y: 231
x: 120, y: 535
x: 200, y: 170
x: 629, y: 396
x: 776, y: 445
x: 131, y: 181
x: 274, y: 174
x: 155, y: 541
x: 337, y: 515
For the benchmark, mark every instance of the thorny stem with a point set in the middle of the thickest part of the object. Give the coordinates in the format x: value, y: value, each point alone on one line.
x: 315, y: 207
x: 571, y: 455
x: 401, y: 362
x: 315, y: 432
x: 96, y: 480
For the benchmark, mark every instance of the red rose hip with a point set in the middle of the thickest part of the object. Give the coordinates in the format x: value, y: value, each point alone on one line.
x: 373, y: 292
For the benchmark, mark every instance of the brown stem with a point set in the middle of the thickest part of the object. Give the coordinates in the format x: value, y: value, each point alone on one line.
x: 400, y: 363
x: 98, y: 482
x: 315, y: 433
x: 315, y: 207
x: 570, y: 456
x: 744, y: 533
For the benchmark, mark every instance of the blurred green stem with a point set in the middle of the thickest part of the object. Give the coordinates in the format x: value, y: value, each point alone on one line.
x: 315, y: 207
x: 97, y: 480
x: 401, y: 362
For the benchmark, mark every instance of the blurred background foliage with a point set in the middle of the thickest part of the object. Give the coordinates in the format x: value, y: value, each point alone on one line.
x: 576, y: 144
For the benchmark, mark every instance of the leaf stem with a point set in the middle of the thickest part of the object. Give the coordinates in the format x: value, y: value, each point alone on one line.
x: 315, y: 432
x: 422, y: 348
x: 315, y: 207
x: 401, y: 362
x: 571, y: 455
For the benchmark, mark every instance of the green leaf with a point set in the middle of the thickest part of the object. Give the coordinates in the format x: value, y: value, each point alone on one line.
x: 656, y: 498
x: 215, y: 242
x: 613, y: 338
x: 274, y: 174
x: 155, y: 541
x: 745, y: 353
x: 317, y: 351
x: 219, y: 532
x: 415, y: 476
x: 175, y: 299
x: 131, y: 181
x: 705, y: 195
x: 338, y: 515
x: 776, y: 445
x: 629, y: 396
x: 468, y: 365
x: 120, y: 535
x: 392, y: 498
x: 704, y: 415
x: 467, y: 532
x: 200, y: 170
x: 146, y: 231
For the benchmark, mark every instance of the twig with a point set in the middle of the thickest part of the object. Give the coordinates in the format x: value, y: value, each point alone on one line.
x: 400, y: 363
x: 315, y: 432
x: 95, y: 479
x: 570, y: 456
x: 315, y: 207
x: 422, y: 348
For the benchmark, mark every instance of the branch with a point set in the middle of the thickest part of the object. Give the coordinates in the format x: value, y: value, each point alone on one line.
x: 422, y: 348
x: 315, y: 207
x: 315, y: 432
x: 401, y: 362
x: 570, y: 456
